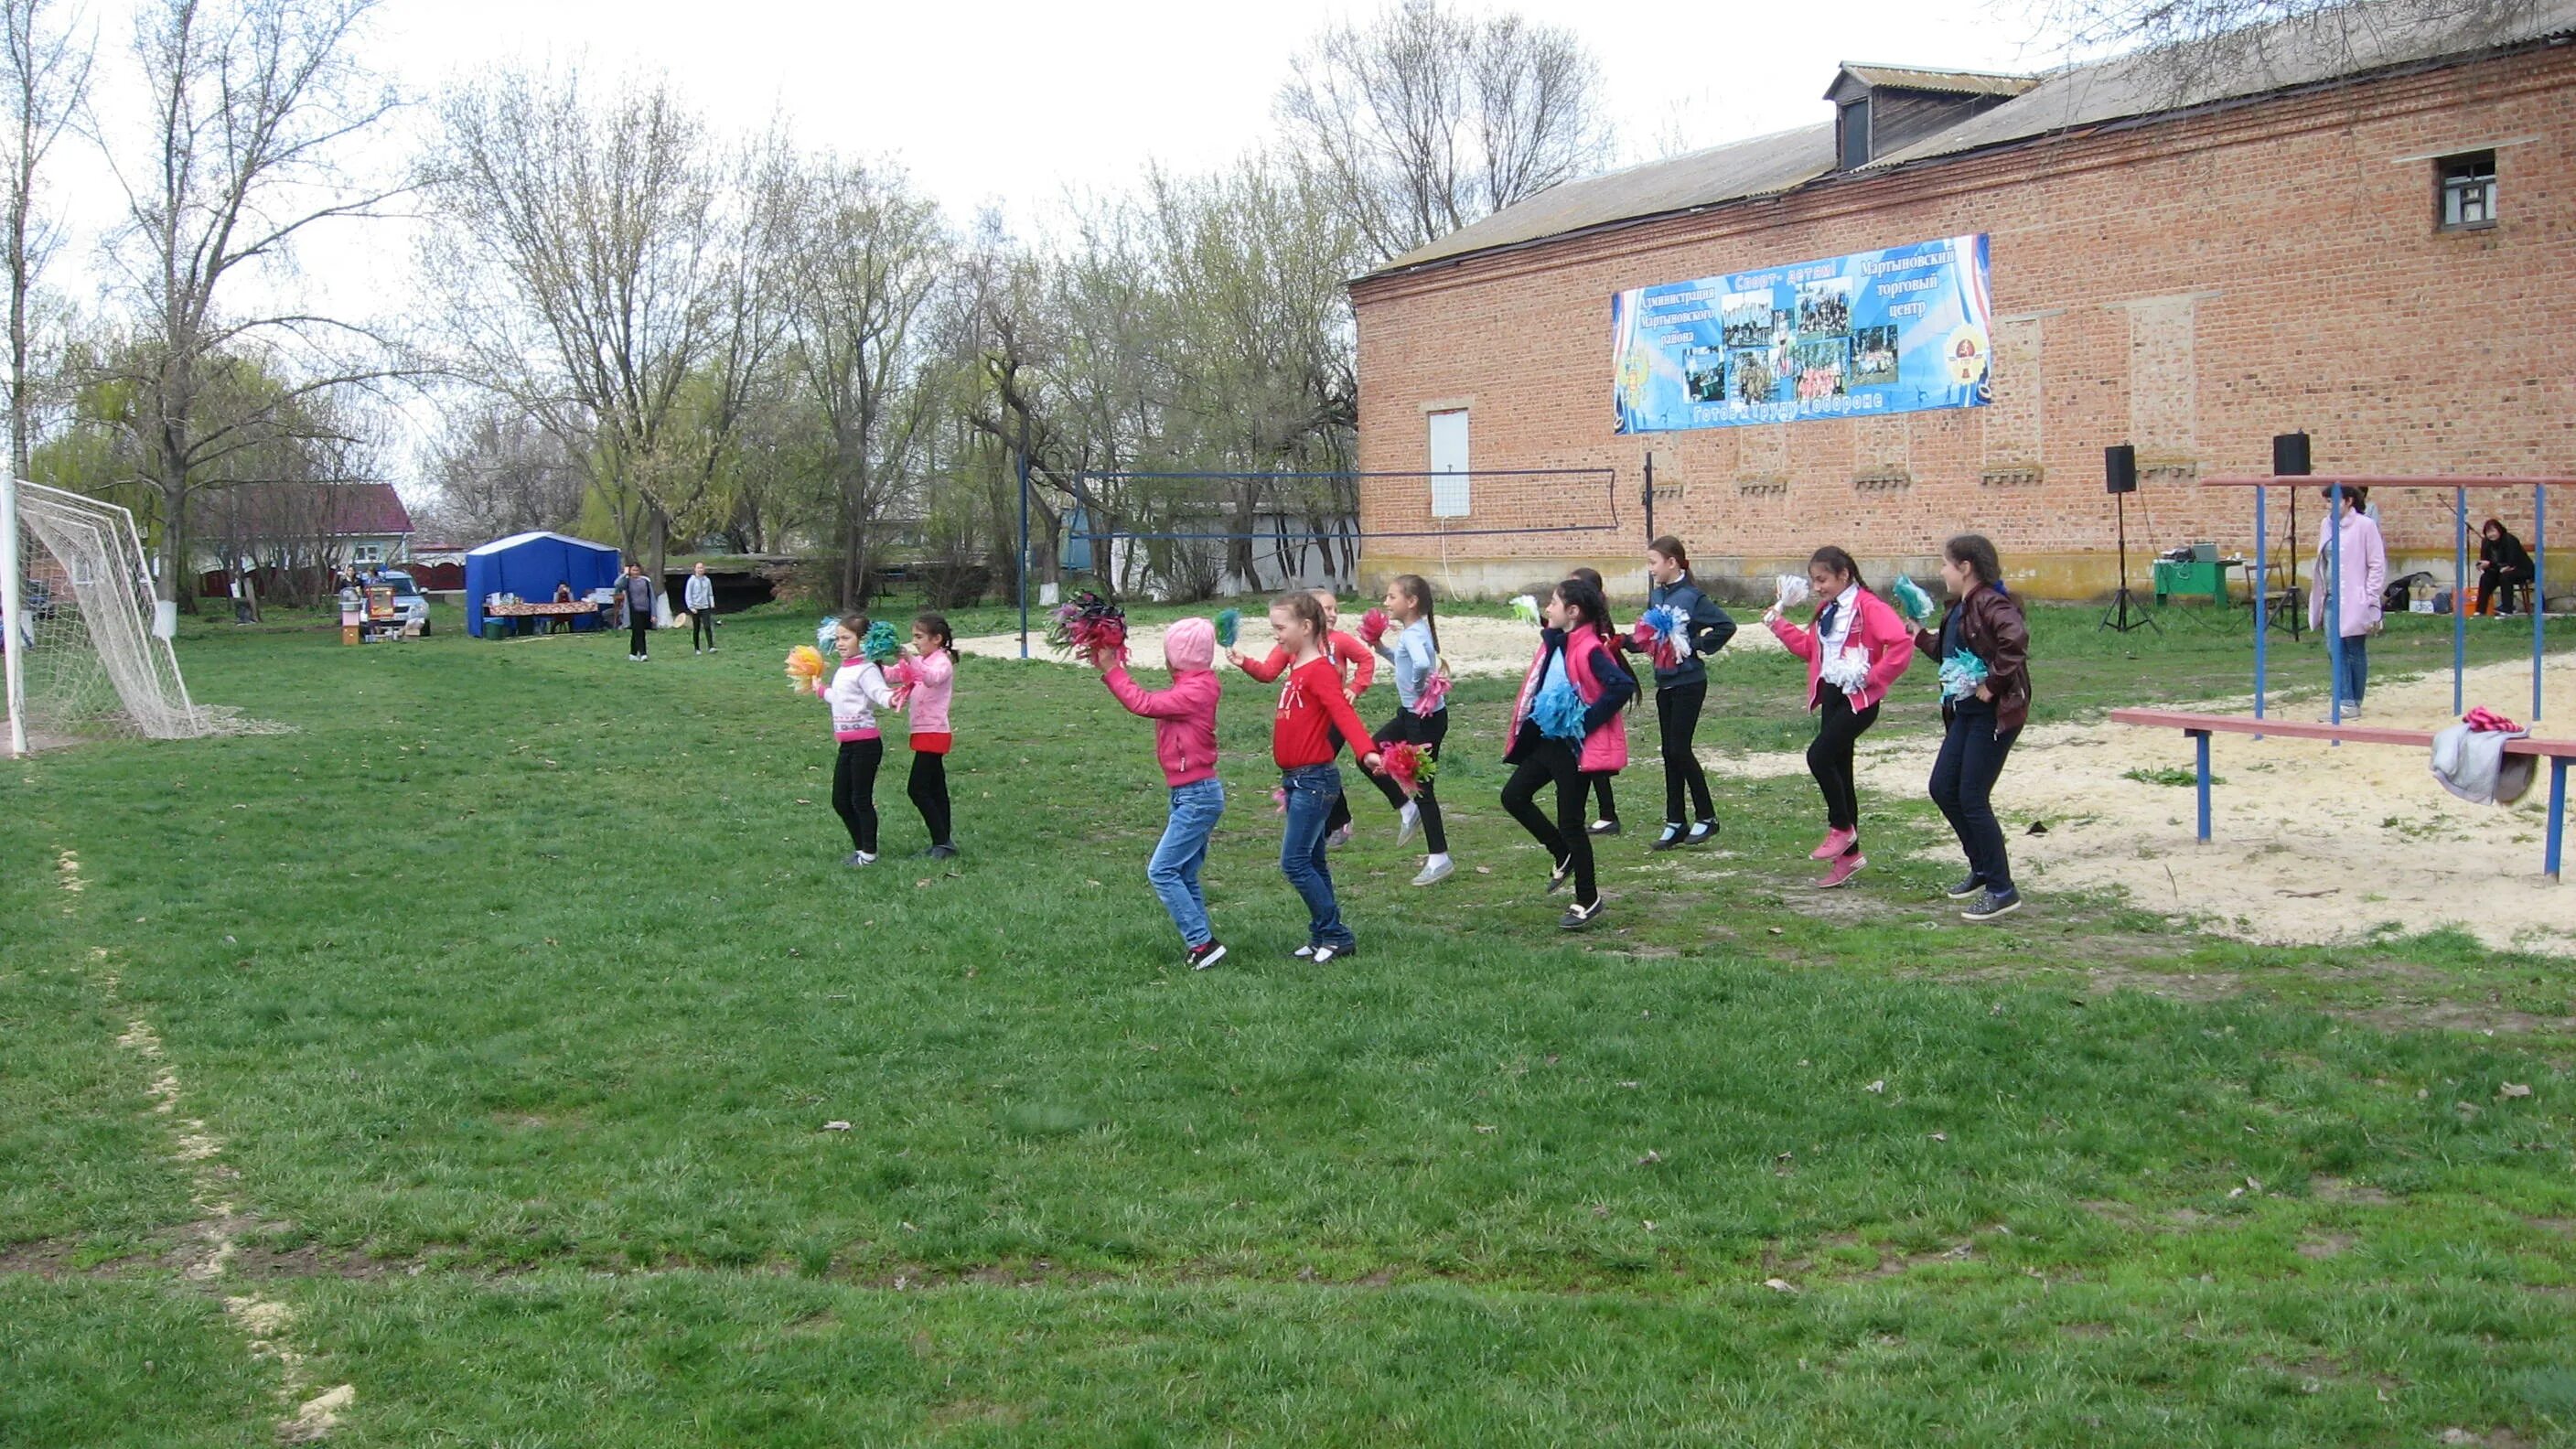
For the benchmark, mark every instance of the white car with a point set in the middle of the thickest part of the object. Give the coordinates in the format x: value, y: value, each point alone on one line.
x: 411, y: 606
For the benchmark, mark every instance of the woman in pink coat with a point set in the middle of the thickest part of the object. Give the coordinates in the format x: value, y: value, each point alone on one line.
x: 2358, y: 590
x: 1856, y: 650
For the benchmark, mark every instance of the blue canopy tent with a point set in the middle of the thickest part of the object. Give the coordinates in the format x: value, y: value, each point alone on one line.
x: 530, y: 565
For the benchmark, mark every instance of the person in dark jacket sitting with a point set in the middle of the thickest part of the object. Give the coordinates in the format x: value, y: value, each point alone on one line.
x: 1682, y: 689
x: 2502, y: 563
x: 1983, y: 713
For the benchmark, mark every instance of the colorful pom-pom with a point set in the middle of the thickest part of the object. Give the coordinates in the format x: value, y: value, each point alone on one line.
x: 1409, y: 765
x: 1961, y: 673
x: 1662, y: 633
x: 1525, y: 608
x: 804, y: 666
x: 1434, y: 696
x: 1793, y: 590
x: 1373, y: 627
x: 827, y: 635
x: 1229, y: 627
x: 1847, y: 671
x: 1087, y: 625
x: 1558, y: 712
x: 1911, y: 601
x: 1278, y: 800
x: 881, y: 645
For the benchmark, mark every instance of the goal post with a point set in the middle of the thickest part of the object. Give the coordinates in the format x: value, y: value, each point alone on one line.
x: 88, y: 646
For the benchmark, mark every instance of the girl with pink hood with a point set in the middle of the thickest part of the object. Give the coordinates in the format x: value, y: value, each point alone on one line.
x: 1184, y: 717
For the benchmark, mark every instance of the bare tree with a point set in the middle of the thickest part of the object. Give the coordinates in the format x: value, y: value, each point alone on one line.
x: 1428, y: 118
x: 47, y: 77
x: 869, y: 256
x: 499, y: 472
x: 583, y: 275
x: 252, y: 104
x: 2185, y: 50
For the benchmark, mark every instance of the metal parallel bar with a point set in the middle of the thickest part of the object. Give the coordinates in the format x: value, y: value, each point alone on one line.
x: 2557, y: 815
x: 2459, y: 599
x: 2262, y: 593
x: 1364, y: 534
x: 1024, y: 555
x: 2388, y: 480
x: 2200, y: 742
x: 2539, y: 592
x: 2333, y: 585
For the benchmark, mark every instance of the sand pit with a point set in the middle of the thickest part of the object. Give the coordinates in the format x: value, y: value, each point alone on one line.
x: 2309, y: 843
x: 1473, y: 646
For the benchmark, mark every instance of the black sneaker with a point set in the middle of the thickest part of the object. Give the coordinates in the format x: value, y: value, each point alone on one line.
x: 1556, y: 881
x: 941, y: 851
x: 1972, y: 885
x: 1991, y: 905
x: 1578, y: 916
x: 1701, y: 833
x: 1605, y: 827
x: 1671, y: 837
x: 1202, y: 957
x: 1326, y: 955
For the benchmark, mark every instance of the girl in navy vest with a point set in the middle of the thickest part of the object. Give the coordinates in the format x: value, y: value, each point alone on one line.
x: 1568, y: 725
x: 1682, y: 689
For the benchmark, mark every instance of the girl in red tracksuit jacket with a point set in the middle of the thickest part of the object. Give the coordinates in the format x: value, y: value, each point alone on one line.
x: 1568, y: 727
x: 1856, y: 650
x: 1312, y: 707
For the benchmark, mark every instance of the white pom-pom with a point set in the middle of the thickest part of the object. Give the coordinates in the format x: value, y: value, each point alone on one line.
x: 1793, y: 590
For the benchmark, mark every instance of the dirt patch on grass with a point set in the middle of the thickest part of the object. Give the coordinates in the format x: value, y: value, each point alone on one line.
x: 2332, y: 1245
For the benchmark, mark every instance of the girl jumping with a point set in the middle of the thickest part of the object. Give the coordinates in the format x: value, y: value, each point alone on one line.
x: 1415, y: 653
x: 1856, y: 650
x: 1184, y: 719
x: 1311, y: 707
x: 1983, y: 649
x: 1568, y: 724
x: 931, y: 673
x: 1682, y: 689
x: 856, y: 692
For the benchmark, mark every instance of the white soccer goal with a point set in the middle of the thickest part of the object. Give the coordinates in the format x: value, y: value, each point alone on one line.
x: 89, y: 653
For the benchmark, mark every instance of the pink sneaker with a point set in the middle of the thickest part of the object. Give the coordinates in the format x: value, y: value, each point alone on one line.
x: 1845, y: 867
x: 1836, y: 842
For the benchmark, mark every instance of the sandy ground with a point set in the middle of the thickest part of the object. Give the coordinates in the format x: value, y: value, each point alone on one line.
x: 2309, y: 843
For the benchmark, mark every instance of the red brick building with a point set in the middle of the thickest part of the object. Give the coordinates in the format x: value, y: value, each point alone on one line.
x: 2376, y: 246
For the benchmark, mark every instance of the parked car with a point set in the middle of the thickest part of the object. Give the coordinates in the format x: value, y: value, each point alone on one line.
x: 411, y: 606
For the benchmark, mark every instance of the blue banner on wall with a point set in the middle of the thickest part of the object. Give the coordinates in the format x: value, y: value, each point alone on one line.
x: 1902, y: 330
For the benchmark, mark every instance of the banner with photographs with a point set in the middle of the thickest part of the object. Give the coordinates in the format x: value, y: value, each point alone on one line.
x: 1902, y: 330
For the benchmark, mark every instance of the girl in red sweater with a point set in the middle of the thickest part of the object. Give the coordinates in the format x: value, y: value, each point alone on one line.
x: 1312, y: 707
x: 1353, y: 663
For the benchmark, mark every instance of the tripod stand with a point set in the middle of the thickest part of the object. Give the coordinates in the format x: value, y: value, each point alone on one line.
x: 2125, y: 613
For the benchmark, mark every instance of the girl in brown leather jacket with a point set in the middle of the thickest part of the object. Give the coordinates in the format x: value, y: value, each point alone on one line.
x: 1983, y: 646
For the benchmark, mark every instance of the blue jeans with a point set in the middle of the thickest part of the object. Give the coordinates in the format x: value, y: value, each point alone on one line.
x: 2354, y: 676
x: 1174, y: 870
x: 1963, y: 787
x: 1312, y: 790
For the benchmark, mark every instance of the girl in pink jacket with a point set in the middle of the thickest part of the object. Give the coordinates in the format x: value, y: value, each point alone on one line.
x: 1855, y: 651
x: 929, y: 677
x: 1184, y: 719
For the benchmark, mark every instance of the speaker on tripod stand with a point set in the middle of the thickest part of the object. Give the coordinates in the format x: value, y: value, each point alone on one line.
x: 2289, y: 460
x: 2120, y: 479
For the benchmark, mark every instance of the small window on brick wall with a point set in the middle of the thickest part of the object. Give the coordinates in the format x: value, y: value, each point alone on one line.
x: 2467, y: 198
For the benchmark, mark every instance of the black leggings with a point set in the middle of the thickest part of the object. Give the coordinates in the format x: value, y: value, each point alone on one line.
x: 1565, y: 838
x: 702, y: 622
x: 1829, y: 759
x: 928, y: 788
x: 1412, y: 728
x: 637, y: 621
x: 854, y: 790
x: 1677, y: 717
x: 1600, y: 780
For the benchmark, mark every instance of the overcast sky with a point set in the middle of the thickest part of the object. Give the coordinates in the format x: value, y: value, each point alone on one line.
x: 1014, y: 104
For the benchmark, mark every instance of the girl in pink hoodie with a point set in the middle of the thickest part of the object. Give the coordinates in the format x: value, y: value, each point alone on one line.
x: 929, y: 676
x: 1184, y: 719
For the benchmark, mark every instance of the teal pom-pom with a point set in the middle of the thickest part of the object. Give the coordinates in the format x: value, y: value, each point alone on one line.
x: 827, y: 633
x: 1558, y: 712
x: 881, y: 645
x: 1961, y: 673
x: 1911, y: 601
x: 1229, y: 627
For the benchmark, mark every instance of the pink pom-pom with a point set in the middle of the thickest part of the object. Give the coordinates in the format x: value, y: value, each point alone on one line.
x: 1279, y: 801
x: 1434, y: 695
x: 1373, y: 627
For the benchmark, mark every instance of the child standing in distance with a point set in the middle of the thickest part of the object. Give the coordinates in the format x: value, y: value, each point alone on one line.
x: 1682, y: 689
x: 1607, y: 823
x: 1352, y: 664
x: 1573, y: 653
x: 1415, y: 653
x: 856, y: 692
x: 1184, y: 719
x: 1856, y: 651
x: 931, y: 673
x: 1311, y: 708
x: 1980, y: 720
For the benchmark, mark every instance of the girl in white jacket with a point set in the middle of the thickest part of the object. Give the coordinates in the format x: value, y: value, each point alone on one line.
x: 857, y: 690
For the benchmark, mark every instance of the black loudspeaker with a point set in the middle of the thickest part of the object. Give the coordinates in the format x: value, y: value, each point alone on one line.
x: 2290, y: 455
x: 2120, y: 469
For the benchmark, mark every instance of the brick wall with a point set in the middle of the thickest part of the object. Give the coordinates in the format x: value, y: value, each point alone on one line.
x: 2193, y: 286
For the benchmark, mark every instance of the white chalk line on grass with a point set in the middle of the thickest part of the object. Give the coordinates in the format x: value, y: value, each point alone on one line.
x: 262, y: 1322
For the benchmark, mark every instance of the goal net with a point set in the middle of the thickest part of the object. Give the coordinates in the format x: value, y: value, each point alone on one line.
x: 84, y: 660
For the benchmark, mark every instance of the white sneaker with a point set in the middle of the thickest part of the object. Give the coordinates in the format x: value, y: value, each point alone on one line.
x: 1303, y: 953
x: 1435, y: 870
x: 1407, y: 821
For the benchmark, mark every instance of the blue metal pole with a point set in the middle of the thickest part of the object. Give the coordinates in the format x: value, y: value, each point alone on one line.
x: 2200, y: 739
x: 2557, y: 813
x: 1024, y: 555
x: 2333, y: 585
x: 2262, y: 592
x: 2460, y: 600
x: 2539, y: 597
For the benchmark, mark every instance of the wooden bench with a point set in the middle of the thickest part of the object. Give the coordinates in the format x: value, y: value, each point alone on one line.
x: 2201, y: 726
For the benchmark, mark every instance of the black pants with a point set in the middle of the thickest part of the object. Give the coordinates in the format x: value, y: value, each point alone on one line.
x: 1600, y: 782
x: 1408, y: 727
x: 2494, y: 576
x: 1340, y: 815
x: 702, y: 621
x: 1677, y: 716
x: 637, y: 621
x: 1963, y: 786
x: 928, y: 788
x: 1564, y: 837
x: 854, y: 790
x: 1829, y: 759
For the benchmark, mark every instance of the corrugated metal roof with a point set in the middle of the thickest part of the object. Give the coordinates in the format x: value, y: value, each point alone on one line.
x: 1953, y: 82
x: 2325, y: 47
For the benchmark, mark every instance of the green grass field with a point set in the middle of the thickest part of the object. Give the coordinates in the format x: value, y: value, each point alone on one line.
x: 504, y: 1000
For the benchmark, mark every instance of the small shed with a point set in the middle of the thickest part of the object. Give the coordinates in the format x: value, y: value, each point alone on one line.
x: 530, y: 565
